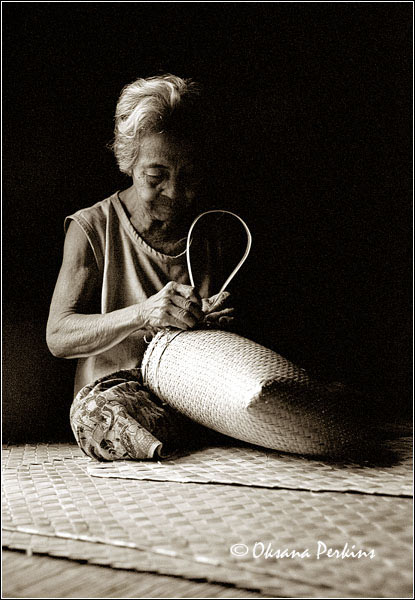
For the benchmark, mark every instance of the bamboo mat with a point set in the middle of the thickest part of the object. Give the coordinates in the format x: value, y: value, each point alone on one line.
x: 264, y: 468
x: 141, y: 561
x: 48, y: 577
x: 189, y: 529
x: 15, y: 455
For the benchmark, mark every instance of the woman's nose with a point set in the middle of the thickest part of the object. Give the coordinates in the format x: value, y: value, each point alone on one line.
x: 174, y: 189
x: 171, y: 188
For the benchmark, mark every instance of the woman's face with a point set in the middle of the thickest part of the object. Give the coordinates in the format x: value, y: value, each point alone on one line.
x: 165, y: 177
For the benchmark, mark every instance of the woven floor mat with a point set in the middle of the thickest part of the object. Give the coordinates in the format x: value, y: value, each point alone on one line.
x: 199, y: 524
x: 265, y: 468
x: 242, y: 465
x: 140, y: 561
x: 23, y: 454
x: 49, y: 580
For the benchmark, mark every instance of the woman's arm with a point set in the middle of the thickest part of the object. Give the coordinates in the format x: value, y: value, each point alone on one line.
x: 75, y: 329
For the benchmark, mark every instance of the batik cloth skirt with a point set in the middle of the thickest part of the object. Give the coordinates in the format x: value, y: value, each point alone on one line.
x: 117, y: 418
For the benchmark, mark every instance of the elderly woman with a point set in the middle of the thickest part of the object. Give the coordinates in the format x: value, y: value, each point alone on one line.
x: 124, y: 275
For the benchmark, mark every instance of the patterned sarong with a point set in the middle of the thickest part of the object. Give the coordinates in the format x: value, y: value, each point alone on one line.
x: 116, y: 417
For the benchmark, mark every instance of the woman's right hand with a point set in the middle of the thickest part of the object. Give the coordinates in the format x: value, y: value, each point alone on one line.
x: 176, y: 305
x: 76, y: 327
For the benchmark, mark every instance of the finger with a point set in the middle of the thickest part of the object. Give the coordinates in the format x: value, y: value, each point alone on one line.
x: 188, y: 292
x: 222, y: 297
x: 226, y: 321
x: 188, y: 306
x: 218, y: 300
x: 217, y: 314
x: 172, y: 321
x: 214, y: 304
x: 223, y: 322
x: 182, y: 316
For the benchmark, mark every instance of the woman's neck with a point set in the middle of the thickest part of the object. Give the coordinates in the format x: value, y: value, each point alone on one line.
x: 165, y: 237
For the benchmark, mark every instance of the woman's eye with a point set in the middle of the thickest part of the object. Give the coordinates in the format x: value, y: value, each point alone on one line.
x: 154, y: 178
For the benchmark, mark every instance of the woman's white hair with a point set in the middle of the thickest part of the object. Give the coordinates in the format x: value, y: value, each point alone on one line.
x: 146, y: 106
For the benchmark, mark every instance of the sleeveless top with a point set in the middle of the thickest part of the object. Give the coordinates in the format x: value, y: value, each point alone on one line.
x: 132, y: 271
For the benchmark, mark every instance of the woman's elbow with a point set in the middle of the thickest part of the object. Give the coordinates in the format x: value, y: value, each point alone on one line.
x: 55, y: 342
x: 55, y: 348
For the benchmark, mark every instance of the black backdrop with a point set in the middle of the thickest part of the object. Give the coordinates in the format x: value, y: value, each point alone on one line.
x: 314, y: 102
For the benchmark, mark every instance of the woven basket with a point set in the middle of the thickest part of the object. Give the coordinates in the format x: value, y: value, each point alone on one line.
x: 244, y: 390
x: 241, y: 389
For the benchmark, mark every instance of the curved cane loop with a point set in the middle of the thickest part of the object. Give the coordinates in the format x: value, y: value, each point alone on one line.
x: 241, y: 262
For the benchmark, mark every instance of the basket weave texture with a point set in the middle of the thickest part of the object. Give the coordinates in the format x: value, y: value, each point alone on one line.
x: 244, y: 390
x: 249, y: 466
x: 189, y: 530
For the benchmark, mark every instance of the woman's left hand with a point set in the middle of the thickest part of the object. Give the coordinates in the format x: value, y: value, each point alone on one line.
x: 217, y: 314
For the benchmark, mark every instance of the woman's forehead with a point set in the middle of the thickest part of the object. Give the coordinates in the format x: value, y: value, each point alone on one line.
x: 162, y: 147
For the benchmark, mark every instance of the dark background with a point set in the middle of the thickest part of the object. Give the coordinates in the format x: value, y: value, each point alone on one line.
x: 314, y: 106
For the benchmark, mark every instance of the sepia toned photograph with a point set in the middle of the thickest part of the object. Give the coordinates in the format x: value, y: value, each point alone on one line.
x: 207, y: 299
